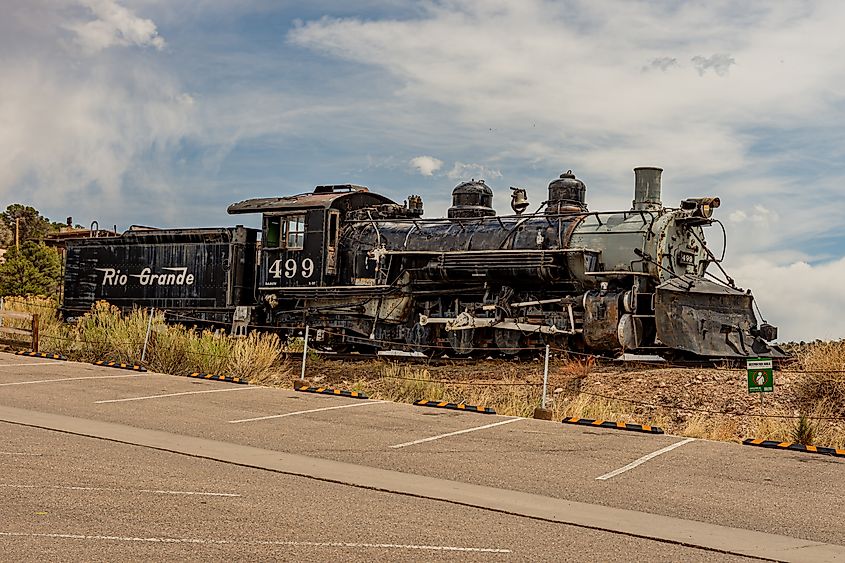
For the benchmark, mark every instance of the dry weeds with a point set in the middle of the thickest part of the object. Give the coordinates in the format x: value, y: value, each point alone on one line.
x: 512, y: 397
x: 816, y: 391
x: 104, y: 333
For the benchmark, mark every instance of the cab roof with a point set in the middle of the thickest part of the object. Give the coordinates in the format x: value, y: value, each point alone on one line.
x: 334, y: 196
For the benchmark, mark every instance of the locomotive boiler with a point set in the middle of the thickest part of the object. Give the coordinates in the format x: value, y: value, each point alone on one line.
x: 366, y: 271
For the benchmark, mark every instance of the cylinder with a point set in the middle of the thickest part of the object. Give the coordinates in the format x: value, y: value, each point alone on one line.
x: 647, y: 188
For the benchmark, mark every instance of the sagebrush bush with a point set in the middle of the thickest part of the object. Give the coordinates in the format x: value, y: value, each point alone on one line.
x: 105, y: 333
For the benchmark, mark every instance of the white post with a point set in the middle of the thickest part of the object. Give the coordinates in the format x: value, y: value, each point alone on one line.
x: 147, y: 337
x: 304, y: 354
x: 545, y: 376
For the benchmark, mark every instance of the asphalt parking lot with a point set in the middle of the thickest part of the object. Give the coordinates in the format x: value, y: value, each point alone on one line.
x: 773, y: 492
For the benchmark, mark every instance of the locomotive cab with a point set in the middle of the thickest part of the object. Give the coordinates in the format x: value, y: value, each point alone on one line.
x: 290, y: 260
x: 300, y: 235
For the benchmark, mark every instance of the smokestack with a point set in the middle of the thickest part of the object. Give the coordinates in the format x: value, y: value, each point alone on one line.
x: 647, y: 188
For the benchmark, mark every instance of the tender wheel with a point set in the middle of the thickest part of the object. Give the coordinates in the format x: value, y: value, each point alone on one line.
x: 418, y: 338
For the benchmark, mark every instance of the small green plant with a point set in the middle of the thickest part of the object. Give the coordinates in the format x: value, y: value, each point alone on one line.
x: 803, y: 431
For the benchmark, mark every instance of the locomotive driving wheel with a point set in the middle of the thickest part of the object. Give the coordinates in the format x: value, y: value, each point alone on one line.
x: 509, y: 342
x: 462, y: 341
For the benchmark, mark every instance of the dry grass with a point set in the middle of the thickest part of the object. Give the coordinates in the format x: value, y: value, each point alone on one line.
x: 708, y: 427
x: 408, y: 383
x: 104, y: 333
x: 824, y: 383
x: 259, y: 357
x: 50, y: 325
x: 509, y: 397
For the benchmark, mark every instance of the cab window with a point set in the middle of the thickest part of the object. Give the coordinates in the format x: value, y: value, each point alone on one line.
x: 295, y: 231
x: 332, y: 230
x: 272, y: 231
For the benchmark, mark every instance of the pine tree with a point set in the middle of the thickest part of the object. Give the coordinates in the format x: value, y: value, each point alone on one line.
x: 31, y: 225
x: 33, y: 270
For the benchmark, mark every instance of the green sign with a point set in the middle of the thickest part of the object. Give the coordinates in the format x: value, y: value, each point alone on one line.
x: 761, y: 378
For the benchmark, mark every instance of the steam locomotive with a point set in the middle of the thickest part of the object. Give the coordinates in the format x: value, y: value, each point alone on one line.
x: 367, y: 272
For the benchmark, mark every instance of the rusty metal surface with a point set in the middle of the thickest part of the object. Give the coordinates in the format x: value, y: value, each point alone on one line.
x: 601, y: 319
x: 311, y: 200
x: 708, y: 319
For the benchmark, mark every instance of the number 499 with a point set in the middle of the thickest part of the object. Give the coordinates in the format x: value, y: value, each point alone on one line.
x: 306, y: 268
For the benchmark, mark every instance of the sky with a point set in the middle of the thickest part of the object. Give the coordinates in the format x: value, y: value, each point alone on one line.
x: 163, y: 113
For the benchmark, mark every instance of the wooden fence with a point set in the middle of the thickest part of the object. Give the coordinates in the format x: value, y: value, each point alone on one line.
x: 32, y: 332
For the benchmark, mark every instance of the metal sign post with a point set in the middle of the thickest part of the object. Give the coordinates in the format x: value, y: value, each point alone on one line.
x: 147, y: 337
x: 542, y: 412
x: 304, y: 354
x: 545, y: 377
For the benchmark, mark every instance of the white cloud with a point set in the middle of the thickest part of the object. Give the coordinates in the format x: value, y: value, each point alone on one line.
x: 763, y: 214
x: 719, y: 63
x: 467, y: 171
x: 426, y: 165
x: 759, y: 214
x: 738, y: 216
x: 78, y: 117
x: 114, y: 25
x: 805, y: 301
x: 661, y: 63
x: 566, y: 79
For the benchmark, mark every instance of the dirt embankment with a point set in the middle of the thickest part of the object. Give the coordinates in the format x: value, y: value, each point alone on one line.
x: 683, y: 388
x: 701, y: 402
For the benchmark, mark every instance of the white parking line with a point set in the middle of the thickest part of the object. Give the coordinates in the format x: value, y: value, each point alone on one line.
x: 432, y: 438
x: 71, y: 379
x: 360, y: 404
x: 286, y: 543
x: 18, y: 453
x: 244, y: 388
x: 644, y: 459
x: 113, y: 490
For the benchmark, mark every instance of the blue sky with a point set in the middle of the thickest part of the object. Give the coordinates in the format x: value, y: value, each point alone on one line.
x: 163, y: 113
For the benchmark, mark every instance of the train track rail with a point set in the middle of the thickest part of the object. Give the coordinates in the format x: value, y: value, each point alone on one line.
x: 528, y: 355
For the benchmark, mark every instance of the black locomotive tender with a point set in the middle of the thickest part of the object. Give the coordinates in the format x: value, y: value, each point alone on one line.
x: 370, y: 273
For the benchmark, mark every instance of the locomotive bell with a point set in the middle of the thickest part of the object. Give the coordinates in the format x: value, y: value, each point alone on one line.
x: 471, y: 199
x: 519, y: 200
